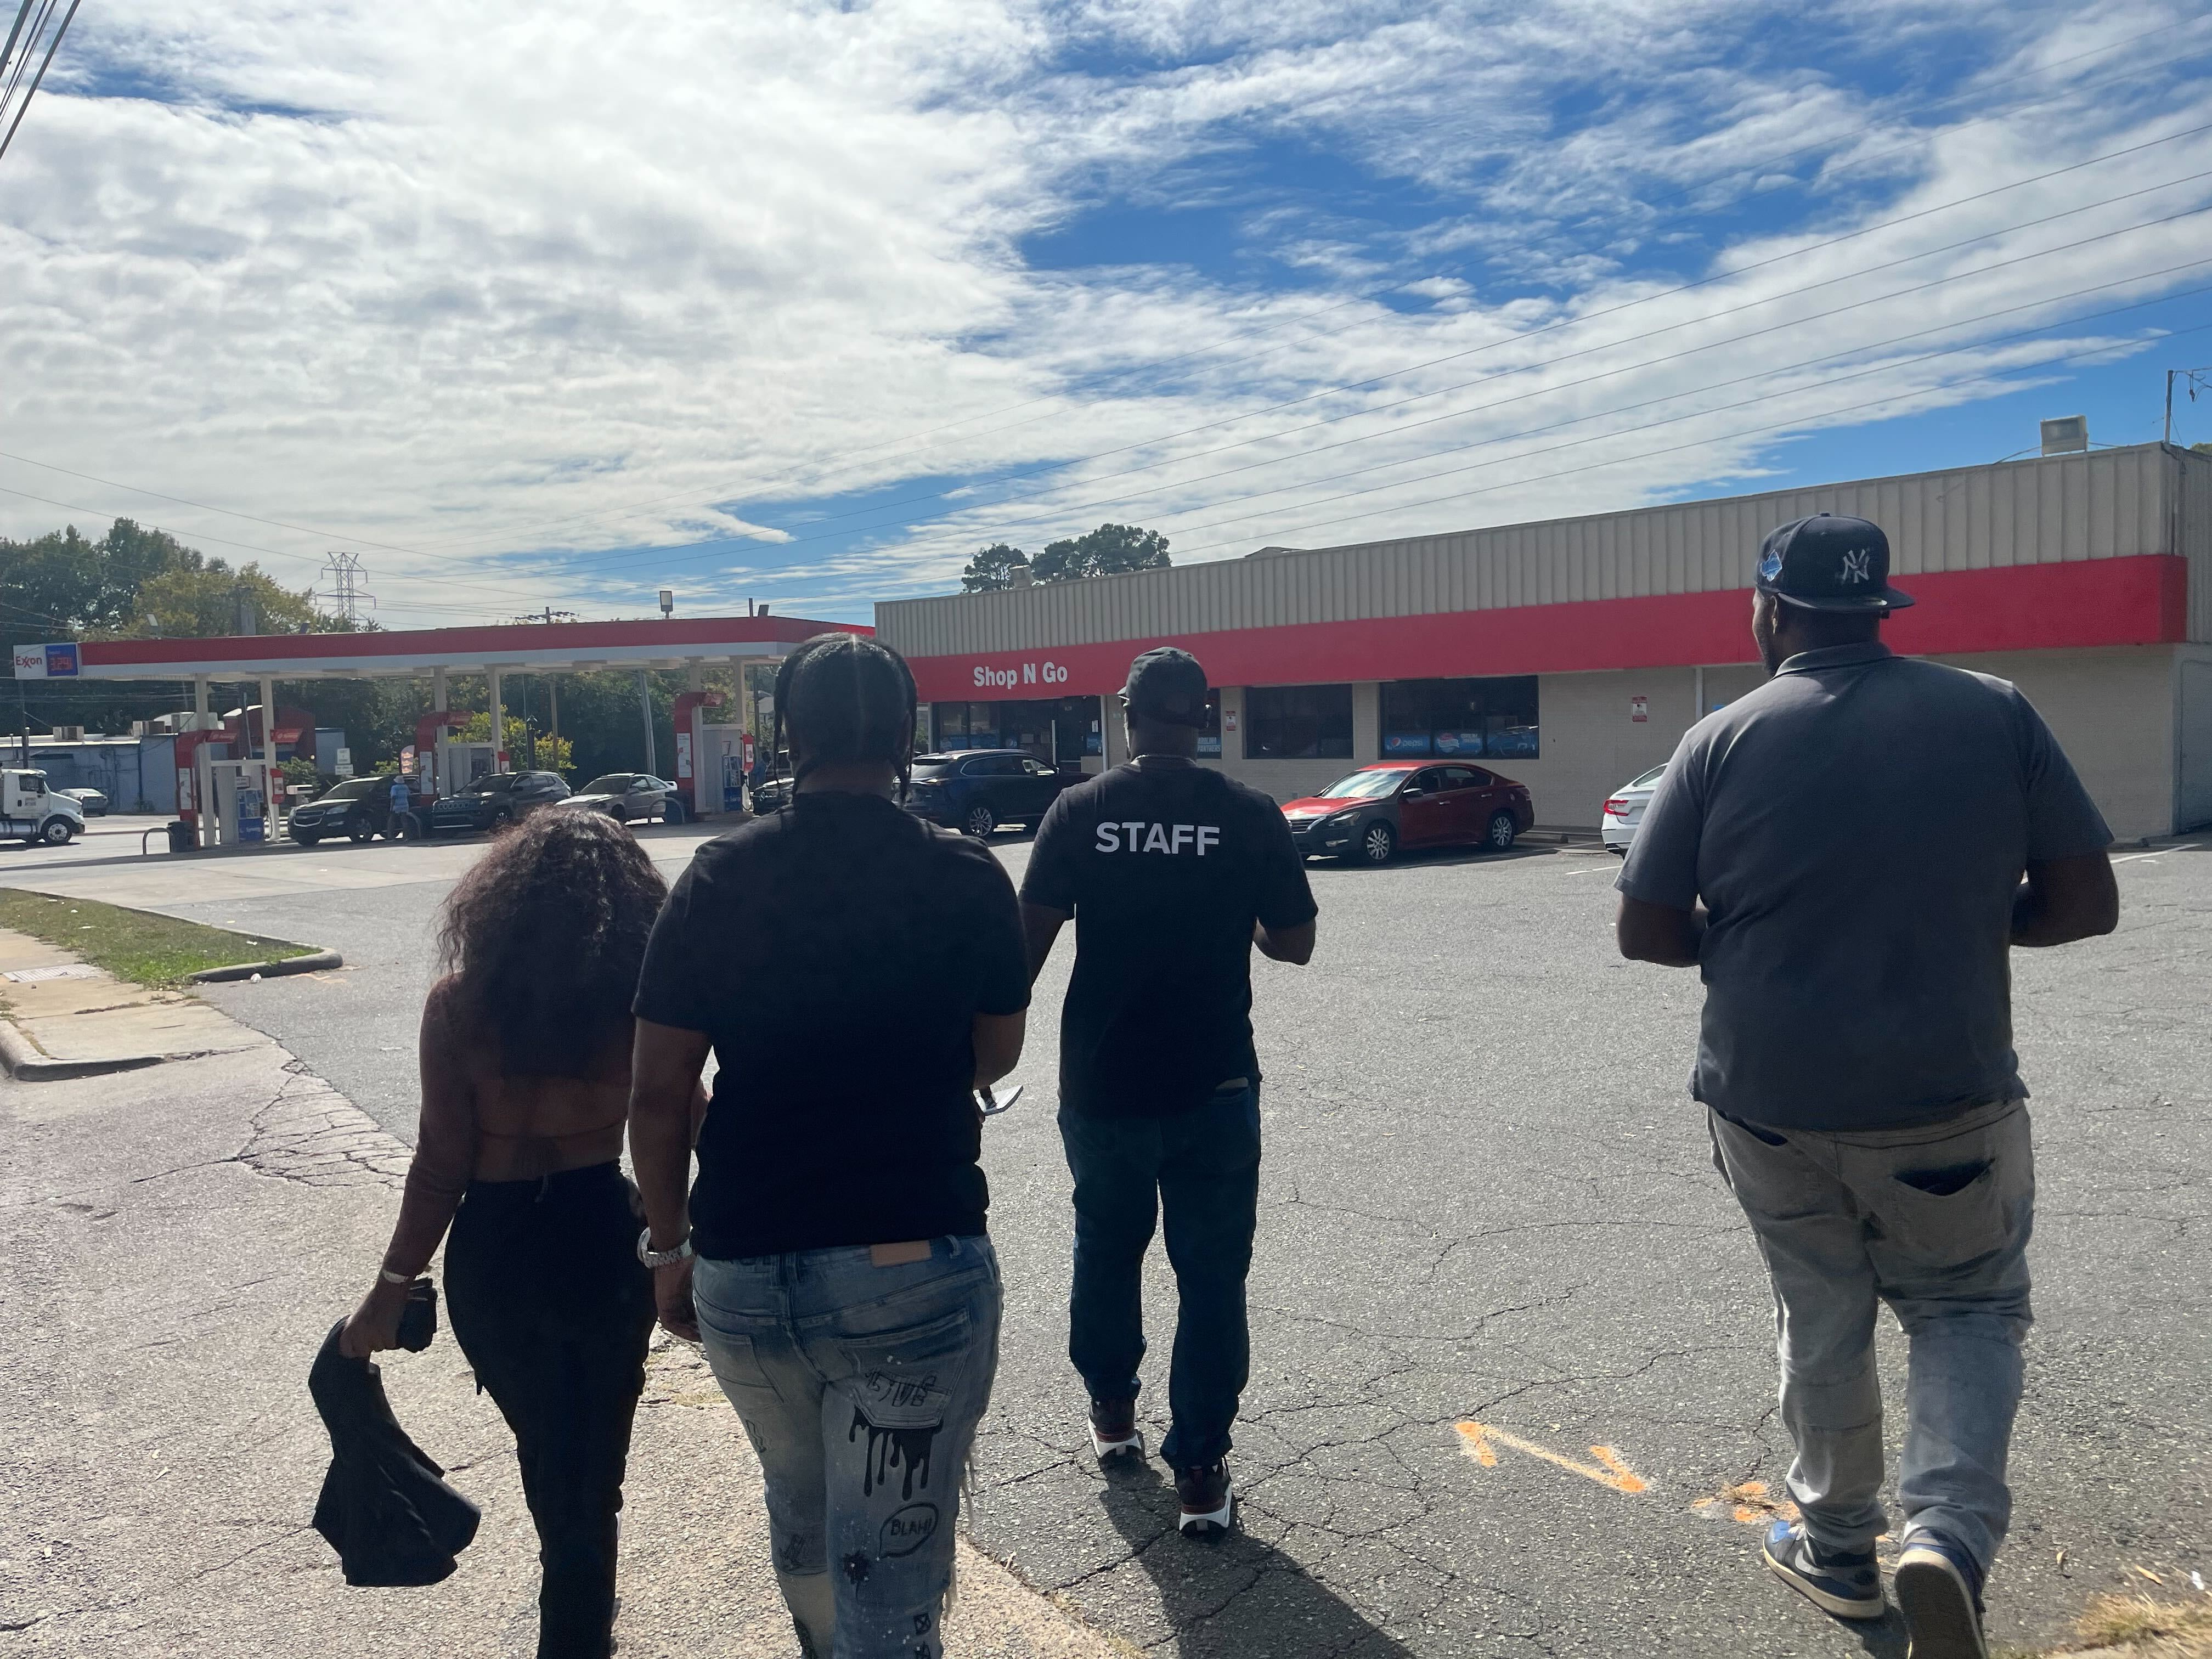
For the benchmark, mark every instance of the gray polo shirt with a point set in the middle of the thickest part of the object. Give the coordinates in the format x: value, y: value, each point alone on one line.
x: 1858, y: 828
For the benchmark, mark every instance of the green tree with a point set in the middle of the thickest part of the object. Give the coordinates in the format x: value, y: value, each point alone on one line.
x: 213, y: 598
x: 993, y: 567
x: 1106, y: 551
x: 551, y: 757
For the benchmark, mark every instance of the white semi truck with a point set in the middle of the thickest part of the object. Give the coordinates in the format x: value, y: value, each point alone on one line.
x: 32, y: 813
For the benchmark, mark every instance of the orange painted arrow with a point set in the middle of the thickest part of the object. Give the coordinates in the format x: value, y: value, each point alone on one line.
x: 1609, y: 1471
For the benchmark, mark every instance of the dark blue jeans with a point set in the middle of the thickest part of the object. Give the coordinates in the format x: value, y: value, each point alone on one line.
x: 1201, y: 1169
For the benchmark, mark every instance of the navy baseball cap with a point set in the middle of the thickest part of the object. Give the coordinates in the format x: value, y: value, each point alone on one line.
x: 1827, y: 562
x: 1168, y: 685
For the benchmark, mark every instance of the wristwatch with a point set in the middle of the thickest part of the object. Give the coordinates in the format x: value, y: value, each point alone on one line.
x: 653, y: 1258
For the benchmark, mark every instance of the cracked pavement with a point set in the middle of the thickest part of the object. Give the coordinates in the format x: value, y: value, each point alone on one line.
x: 1486, y: 1197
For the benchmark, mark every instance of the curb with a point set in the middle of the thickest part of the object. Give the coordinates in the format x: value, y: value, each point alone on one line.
x: 314, y: 963
x: 26, y: 1064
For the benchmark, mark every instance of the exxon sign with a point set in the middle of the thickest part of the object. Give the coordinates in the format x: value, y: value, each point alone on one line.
x: 45, y: 662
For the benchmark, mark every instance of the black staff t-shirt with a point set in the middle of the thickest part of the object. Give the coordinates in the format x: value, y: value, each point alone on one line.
x: 1165, y: 865
x: 838, y: 953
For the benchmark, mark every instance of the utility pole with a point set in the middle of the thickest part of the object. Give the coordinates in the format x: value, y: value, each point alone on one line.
x: 2171, y: 376
x: 548, y: 614
x: 346, y: 594
x: 644, y: 706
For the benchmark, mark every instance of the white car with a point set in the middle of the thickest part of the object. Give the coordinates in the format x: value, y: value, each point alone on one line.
x: 1624, y: 810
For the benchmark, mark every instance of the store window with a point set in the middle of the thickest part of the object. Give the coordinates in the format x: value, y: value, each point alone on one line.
x: 1298, y: 722
x: 1209, y: 735
x: 1060, y: 730
x: 1494, y: 717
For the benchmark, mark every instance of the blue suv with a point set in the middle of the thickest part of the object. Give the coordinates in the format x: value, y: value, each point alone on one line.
x: 977, y: 790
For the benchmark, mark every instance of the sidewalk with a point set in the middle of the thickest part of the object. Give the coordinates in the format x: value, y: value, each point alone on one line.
x: 77, y: 1015
x: 174, y: 1243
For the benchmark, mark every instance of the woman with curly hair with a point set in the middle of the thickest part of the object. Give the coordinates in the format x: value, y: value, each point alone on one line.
x: 526, y: 1060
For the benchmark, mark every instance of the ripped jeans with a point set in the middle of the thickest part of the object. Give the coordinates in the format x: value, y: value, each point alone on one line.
x: 1933, y: 1221
x: 860, y: 1386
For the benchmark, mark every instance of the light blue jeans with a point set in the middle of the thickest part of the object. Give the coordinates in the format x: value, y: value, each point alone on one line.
x: 859, y: 1387
x: 1933, y: 1221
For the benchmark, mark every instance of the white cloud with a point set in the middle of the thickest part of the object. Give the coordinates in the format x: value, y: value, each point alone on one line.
x: 514, y: 284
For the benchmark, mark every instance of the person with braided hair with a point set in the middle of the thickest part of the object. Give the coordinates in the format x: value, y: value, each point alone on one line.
x: 857, y: 974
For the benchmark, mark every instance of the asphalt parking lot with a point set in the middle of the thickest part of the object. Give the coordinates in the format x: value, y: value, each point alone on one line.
x: 1513, y: 1378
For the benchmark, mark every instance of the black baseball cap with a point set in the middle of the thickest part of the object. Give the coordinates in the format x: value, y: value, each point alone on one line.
x: 1166, y: 684
x: 1828, y: 562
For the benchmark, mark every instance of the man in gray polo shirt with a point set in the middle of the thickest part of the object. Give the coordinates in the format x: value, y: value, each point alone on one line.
x: 1869, y: 836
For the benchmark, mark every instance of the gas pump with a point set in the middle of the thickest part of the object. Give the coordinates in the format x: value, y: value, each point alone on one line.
x: 695, y: 767
x: 461, y: 764
x: 238, y: 790
x: 720, y: 768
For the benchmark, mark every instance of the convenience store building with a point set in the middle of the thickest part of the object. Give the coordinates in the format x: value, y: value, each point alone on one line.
x: 1570, y: 655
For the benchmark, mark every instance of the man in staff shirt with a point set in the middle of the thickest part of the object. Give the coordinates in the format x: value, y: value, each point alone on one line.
x: 1173, y: 872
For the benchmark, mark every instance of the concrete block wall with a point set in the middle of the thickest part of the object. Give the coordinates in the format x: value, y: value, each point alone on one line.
x: 2112, y: 712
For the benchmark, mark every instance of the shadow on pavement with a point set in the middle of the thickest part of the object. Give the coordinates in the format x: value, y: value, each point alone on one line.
x: 1238, y: 1597
x: 1883, y: 1637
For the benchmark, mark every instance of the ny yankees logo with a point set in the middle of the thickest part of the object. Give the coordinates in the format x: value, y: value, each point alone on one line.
x: 1855, y: 567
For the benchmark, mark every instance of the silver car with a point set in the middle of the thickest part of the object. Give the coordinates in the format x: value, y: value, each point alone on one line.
x: 1624, y: 810
x: 630, y: 798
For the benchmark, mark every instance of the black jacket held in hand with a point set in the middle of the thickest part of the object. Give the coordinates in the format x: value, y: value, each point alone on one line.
x: 384, y: 1507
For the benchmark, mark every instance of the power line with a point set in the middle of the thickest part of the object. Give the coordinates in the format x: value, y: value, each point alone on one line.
x: 664, y: 553
x: 1648, y: 455
x: 1247, y: 501
x: 1767, y: 396
x: 1763, y: 165
x: 30, y: 45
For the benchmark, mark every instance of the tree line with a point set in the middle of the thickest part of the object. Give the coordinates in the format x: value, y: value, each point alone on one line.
x: 136, y: 582
x: 1106, y: 551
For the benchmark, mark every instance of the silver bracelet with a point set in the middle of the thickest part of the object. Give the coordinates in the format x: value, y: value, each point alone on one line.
x: 392, y: 1278
x: 653, y: 1258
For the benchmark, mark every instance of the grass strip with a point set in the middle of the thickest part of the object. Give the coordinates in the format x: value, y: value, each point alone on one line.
x: 138, y: 946
x: 2134, y: 1627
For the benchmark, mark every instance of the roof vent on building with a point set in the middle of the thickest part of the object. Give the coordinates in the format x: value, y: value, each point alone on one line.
x: 1020, y: 575
x: 2067, y: 435
x: 66, y: 734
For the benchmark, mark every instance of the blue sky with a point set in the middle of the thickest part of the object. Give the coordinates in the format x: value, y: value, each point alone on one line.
x: 806, y: 302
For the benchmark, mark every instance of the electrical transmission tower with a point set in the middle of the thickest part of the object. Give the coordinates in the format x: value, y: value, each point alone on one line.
x: 345, y: 593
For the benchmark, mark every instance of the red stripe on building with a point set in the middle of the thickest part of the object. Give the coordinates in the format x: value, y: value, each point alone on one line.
x: 466, y: 644
x: 2036, y: 607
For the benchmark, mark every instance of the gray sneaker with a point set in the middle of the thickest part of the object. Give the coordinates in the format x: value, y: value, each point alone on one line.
x: 1847, y: 1586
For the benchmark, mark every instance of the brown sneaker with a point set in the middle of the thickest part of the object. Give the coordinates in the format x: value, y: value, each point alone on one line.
x: 1208, y: 1499
x: 1114, y: 1428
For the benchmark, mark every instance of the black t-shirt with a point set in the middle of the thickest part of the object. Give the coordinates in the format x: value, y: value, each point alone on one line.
x: 838, y: 953
x: 1165, y: 867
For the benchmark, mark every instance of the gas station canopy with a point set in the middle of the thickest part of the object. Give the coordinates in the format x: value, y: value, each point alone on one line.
x: 524, y: 647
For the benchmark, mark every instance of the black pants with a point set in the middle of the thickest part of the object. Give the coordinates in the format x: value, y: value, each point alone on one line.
x: 550, y: 1306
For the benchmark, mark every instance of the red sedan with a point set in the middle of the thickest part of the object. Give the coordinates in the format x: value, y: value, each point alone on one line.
x: 1371, y: 813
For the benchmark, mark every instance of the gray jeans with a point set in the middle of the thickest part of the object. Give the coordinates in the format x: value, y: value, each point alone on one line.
x: 861, y: 1387
x: 1934, y: 1221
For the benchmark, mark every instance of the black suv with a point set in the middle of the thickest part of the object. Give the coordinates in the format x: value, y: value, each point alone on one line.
x: 488, y: 802
x: 355, y: 809
x: 977, y: 790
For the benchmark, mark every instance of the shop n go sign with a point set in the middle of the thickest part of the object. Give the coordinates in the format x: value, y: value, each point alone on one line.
x: 988, y: 678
